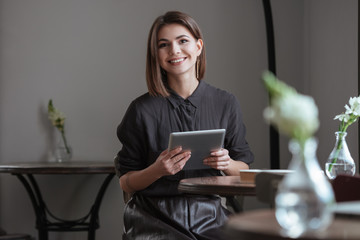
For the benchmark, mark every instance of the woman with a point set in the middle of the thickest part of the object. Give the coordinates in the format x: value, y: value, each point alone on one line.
x: 177, y: 101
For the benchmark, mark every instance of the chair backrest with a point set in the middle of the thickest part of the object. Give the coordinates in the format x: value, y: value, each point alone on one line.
x: 346, y: 188
x: 266, y: 187
x: 126, y: 196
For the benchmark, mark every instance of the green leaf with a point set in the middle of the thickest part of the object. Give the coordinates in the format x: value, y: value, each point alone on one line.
x: 275, y: 87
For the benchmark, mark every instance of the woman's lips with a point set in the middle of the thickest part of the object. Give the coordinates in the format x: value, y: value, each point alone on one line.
x: 177, y: 60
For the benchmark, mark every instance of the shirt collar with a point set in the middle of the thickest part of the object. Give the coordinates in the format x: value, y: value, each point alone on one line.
x: 194, y: 99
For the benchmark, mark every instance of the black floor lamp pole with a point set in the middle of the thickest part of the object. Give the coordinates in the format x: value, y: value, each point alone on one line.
x: 274, y: 135
x: 358, y: 83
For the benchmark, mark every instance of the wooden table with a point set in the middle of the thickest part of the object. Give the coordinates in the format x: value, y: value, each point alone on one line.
x: 262, y: 225
x: 45, y: 220
x: 227, y: 186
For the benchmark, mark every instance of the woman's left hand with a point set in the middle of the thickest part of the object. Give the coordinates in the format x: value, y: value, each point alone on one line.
x: 219, y: 160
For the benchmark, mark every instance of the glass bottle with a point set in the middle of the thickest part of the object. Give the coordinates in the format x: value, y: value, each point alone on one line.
x: 63, y: 151
x: 340, y: 160
x: 305, y: 198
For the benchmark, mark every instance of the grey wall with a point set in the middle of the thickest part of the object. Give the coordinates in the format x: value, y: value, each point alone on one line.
x: 89, y: 57
x: 330, y: 67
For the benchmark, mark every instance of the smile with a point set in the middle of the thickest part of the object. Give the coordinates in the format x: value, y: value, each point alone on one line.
x: 177, y: 60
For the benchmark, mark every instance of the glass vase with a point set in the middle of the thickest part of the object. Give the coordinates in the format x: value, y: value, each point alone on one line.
x: 305, y: 198
x: 63, y: 151
x: 62, y: 154
x: 340, y: 160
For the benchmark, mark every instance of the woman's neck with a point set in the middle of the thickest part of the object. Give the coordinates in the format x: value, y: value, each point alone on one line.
x: 183, y: 86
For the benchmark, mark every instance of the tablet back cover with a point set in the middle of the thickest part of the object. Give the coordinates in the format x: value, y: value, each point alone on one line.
x: 200, y: 143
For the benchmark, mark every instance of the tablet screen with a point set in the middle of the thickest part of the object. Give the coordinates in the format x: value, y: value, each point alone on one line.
x: 200, y: 143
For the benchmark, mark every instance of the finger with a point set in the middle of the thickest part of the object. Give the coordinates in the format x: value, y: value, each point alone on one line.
x: 178, y: 166
x: 180, y: 156
x: 209, y: 160
x: 163, y: 153
x: 217, y: 163
x: 175, y: 151
x: 181, y: 163
x: 225, y: 158
x: 220, y: 152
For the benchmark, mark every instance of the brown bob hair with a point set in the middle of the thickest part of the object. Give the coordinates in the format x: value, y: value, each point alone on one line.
x: 155, y: 76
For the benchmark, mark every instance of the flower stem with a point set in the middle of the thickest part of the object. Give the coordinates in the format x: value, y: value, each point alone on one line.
x: 338, y: 148
x: 65, y: 142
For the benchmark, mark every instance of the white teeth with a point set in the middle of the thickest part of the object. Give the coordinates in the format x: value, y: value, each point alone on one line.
x: 177, y: 60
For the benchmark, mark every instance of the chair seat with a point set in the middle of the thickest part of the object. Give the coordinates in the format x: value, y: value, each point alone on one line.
x: 346, y: 188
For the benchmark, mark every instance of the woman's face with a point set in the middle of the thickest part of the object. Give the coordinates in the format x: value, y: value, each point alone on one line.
x: 178, y: 50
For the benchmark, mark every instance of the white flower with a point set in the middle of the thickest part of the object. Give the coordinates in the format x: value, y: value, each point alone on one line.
x: 354, y: 108
x: 57, y: 117
x: 295, y: 115
x: 342, y: 117
x: 351, y: 114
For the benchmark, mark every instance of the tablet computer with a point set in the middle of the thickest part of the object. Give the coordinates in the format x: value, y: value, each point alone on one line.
x: 200, y: 143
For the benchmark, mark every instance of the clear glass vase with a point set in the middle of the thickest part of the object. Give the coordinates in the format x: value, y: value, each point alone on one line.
x: 62, y: 154
x: 340, y: 160
x: 63, y: 151
x: 305, y: 198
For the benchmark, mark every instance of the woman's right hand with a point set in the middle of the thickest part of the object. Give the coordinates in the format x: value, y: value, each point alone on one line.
x: 168, y: 163
x: 171, y: 162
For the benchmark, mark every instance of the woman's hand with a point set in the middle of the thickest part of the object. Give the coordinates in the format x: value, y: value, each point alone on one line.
x: 168, y: 163
x: 219, y: 160
x: 171, y: 162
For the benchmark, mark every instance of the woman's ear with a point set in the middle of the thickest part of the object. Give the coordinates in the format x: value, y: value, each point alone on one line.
x: 199, y: 44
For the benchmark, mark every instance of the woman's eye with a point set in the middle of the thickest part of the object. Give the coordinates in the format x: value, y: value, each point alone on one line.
x: 183, y: 41
x: 161, y: 45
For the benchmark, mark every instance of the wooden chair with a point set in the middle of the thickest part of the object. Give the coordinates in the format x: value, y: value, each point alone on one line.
x: 5, y: 236
x: 266, y: 187
x: 346, y: 188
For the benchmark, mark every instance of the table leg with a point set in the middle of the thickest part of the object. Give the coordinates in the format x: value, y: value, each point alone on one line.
x: 33, y: 190
x: 94, y: 220
x: 43, y: 223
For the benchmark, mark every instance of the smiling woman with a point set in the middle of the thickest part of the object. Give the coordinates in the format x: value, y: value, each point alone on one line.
x: 178, y: 51
x: 165, y: 44
x: 178, y: 54
x: 177, y: 101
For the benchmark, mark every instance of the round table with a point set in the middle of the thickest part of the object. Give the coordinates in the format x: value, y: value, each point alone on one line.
x: 221, y: 185
x: 262, y: 225
x: 226, y: 186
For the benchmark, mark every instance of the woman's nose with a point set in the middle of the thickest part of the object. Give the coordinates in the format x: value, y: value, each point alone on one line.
x: 175, y: 48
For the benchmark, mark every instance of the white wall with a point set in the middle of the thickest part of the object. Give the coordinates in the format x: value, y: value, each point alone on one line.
x: 89, y: 57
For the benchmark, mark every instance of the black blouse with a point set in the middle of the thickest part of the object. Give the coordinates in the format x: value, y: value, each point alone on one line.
x: 145, y: 128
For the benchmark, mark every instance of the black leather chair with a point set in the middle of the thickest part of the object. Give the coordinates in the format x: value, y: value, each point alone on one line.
x: 346, y: 188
